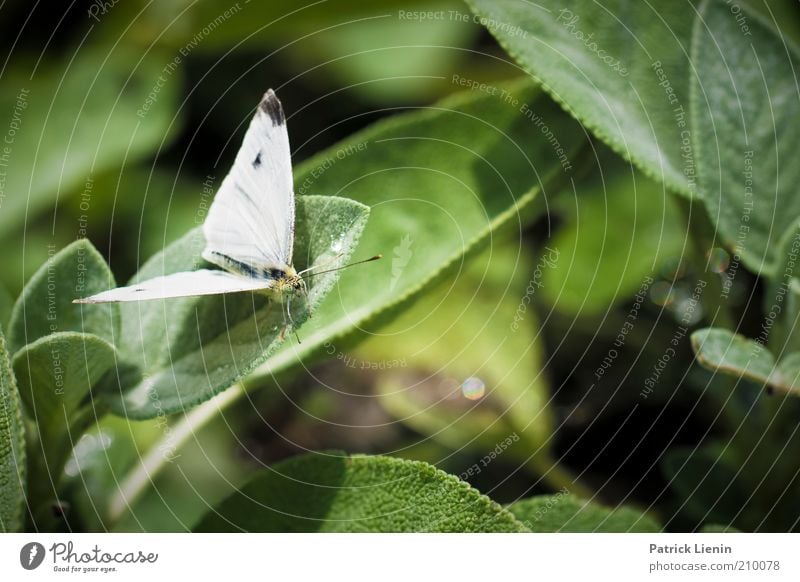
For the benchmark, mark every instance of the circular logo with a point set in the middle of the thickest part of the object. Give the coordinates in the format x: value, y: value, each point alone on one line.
x: 31, y: 555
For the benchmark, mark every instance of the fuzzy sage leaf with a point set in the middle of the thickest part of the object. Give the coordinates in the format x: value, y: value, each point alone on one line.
x: 12, y: 448
x: 334, y: 493
x: 619, y: 67
x: 746, y: 109
x: 566, y: 513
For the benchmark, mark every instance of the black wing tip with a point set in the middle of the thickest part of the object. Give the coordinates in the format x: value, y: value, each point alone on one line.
x: 271, y: 105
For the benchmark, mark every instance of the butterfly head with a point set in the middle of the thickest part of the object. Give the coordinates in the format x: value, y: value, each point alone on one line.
x: 290, y: 283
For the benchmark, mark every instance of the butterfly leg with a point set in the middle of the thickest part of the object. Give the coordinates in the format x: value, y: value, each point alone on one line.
x: 287, y: 318
x: 289, y: 314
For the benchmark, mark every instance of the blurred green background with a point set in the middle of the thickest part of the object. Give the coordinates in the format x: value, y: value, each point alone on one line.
x: 124, y: 110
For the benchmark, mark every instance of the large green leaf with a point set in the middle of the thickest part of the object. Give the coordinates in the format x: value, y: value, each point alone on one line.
x: 620, y: 67
x: 568, y: 514
x: 12, y: 448
x: 332, y: 493
x: 447, y: 178
x: 471, y: 372
x: 45, y: 305
x: 619, y: 231
x: 186, y: 350
x: 96, y: 110
x: 746, y: 108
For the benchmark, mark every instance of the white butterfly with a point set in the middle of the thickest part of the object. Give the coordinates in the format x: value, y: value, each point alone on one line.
x: 249, y: 230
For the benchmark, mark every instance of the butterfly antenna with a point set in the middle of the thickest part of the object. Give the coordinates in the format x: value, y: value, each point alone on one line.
x: 326, y: 263
x: 375, y: 258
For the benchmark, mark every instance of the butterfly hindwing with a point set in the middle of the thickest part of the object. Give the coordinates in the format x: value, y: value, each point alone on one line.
x: 184, y: 284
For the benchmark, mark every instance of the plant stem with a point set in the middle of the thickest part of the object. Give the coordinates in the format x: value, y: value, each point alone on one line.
x: 699, y: 227
x: 159, y: 456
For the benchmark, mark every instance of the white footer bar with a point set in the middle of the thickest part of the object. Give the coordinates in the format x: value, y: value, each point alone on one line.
x: 401, y: 557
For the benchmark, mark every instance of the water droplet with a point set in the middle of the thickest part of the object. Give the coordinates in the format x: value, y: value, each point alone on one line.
x: 718, y: 260
x: 688, y: 311
x: 337, y: 246
x: 661, y: 293
x: 473, y: 388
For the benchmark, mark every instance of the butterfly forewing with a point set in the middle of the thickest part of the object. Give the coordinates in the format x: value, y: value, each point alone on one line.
x: 249, y: 229
x: 252, y: 217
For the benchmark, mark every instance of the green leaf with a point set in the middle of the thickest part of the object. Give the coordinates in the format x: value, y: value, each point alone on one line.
x: 45, y: 305
x: 79, y: 118
x: 619, y: 231
x: 566, y: 513
x: 619, y: 67
x: 745, y: 108
x: 12, y: 448
x: 449, y: 178
x: 478, y: 326
x: 331, y: 493
x: 189, y: 349
x: 735, y: 355
x: 56, y: 374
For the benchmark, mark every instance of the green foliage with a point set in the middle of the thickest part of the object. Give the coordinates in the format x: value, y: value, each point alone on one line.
x: 745, y: 109
x: 186, y: 350
x: 706, y: 124
x: 363, y: 46
x: 699, y: 96
x: 12, y: 448
x: 567, y: 513
x: 334, y: 493
x: 462, y: 197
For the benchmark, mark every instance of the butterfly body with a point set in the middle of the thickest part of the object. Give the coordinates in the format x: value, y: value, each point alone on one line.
x: 284, y: 279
